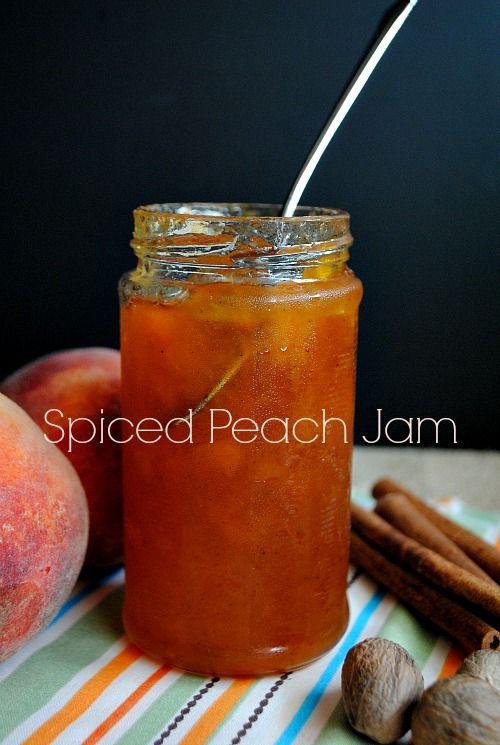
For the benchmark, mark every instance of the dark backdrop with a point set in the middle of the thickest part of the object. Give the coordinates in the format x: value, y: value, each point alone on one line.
x: 108, y: 105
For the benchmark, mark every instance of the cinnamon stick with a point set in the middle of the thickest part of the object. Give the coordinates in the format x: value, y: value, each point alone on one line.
x: 400, y: 512
x: 485, y: 555
x: 466, y: 628
x: 427, y: 563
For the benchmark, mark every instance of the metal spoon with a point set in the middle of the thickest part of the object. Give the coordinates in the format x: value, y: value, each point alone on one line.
x: 352, y: 92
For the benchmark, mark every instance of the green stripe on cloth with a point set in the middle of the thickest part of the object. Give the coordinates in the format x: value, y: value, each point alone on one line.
x: 400, y: 627
x: 38, y: 678
x: 476, y: 523
x: 157, y: 716
x: 339, y: 732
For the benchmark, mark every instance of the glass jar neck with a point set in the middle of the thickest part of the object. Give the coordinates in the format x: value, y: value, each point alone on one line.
x: 239, y: 242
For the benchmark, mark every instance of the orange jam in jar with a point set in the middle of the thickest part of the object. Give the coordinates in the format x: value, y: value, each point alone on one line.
x: 238, y: 348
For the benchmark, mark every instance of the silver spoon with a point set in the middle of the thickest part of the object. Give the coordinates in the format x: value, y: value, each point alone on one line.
x: 352, y: 92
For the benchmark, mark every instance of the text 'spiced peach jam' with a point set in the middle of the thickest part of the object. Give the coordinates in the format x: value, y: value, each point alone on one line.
x: 237, y: 551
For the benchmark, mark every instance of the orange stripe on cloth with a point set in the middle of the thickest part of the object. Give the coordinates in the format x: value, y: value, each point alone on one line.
x: 125, y: 706
x: 214, y: 715
x: 453, y: 660
x: 84, y: 697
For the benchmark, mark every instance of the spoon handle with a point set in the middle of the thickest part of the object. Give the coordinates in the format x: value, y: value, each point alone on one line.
x: 352, y: 92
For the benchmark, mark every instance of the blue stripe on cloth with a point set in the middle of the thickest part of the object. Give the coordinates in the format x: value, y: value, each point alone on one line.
x: 84, y: 592
x: 311, y: 700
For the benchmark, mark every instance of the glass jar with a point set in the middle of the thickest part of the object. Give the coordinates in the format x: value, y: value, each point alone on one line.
x: 238, y: 344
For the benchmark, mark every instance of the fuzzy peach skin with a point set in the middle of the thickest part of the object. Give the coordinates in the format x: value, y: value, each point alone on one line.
x: 81, y: 383
x: 43, y: 528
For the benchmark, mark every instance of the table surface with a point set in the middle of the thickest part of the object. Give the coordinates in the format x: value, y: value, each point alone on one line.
x: 81, y: 681
x: 471, y: 475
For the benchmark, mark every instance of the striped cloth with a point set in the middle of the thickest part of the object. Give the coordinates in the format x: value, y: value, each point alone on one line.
x: 81, y: 681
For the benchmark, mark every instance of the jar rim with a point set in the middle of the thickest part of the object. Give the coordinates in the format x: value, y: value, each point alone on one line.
x: 215, y: 211
x: 233, y: 234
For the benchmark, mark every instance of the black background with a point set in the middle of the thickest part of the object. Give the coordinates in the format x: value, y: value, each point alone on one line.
x: 107, y: 105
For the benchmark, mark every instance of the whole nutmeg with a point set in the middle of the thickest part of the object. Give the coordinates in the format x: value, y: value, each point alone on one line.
x: 381, y: 683
x: 462, y: 710
x: 485, y: 664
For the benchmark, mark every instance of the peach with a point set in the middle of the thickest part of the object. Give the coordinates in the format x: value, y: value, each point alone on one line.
x: 68, y: 394
x: 43, y: 528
